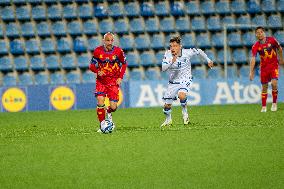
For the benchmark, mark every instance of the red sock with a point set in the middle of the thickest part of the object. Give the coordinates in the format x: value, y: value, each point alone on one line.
x: 263, y: 98
x: 274, y: 95
x: 101, y: 112
x: 109, y: 110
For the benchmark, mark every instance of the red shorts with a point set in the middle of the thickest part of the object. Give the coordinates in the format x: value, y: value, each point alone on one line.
x: 267, y: 74
x: 111, y: 91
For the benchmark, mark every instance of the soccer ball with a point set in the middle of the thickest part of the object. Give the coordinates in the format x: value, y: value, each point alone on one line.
x: 107, y: 126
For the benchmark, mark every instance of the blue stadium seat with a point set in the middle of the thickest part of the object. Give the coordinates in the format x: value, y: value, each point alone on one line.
x: 25, y: 79
x: 229, y: 20
x: 9, y: 80
x: 232, y: 72
x: 164, y: 75
x: 217, y: 40
x: 223, y: 7
x: 215, y: 73
x: 74, y: 28
x: 73, y: 78
x: 52, y: 62
x: 238, y: 7
x: 274, y: 22
x: 142, y: 42
x: 41, y: 78
x: 50, y: 1
x: 57, y: 78
x: 131, y: 9
x: 5, y: 2
x: 195, y: 60
x: 28, y: 29
x: 43, y: 29
x: 152, y: 74
x: 59, y: 28
x: 159, y: 57
x: 192, y: 8
x: 135, y: 75
x: 177, y: 8
x: 146, y: 9
x: 21, y: 63
x: 147, y: 58
x: 240, y: 56
x: 100, y: 11
x: 213, y: 23
x: 248, y: 39
x: 3, y: 48
x: 5, y: 63
x: 167, y: 24
x: 115, y: 10
x: 85, y: 11
x: 32, y: 46
x: 88, y: 77
x: 105, y: 26
x: 23, y: 13
x: 198, y: 73
x: 83, y: 61
x: 69, y: 12
x: 17, y: 47
x: 268, y: 6
x: 221, y: 56
x: 19, y: 2
x: 54, y: 12
x: 66, y: 1
x: 38, y: 13
x: 279, y: 35
x: 210, y: 53
x: 34, y: 1
x: 253, y: 6
x: 126, y: 42
x: 280, y: 5
x: 121, y: 26
x: 198, y: 24
x: 152, y: 25
x: 12, y: 30
x: 244, y: 71
x: 244, y: 21
x: 132, y: 60
x: 7, y: 14
x: 158, y: 41
x: 79, y: 45
x: 90, y: 28
x: 182, y: 24
x: 93, y: 43
x: 1, y: 31
x: 203, y: 41
x: 259, y: 20
x: 48, y: 46
x: 188, y: 40
x: 37, y: 63
x: 137, y: 25
x: 63, y: 45
x: 207, y: 7
x: 234, y: 39
x: 162, y: 8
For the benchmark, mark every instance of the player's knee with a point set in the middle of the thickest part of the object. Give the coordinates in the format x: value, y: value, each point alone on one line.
x: 167, y: 110
x: 183, y: 101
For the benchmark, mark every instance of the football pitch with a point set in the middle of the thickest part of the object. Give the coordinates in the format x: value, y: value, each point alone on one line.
x: 232, y: 146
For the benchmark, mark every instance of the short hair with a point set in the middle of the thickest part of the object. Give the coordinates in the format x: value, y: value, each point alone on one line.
x: 108, y: 33
x: 259, y: 27
x: 176, y: 39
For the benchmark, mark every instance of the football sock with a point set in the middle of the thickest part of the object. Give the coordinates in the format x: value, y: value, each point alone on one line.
x: 109, y: 110
x: 274, y: 95
x: 101, y: 112
x: 167, y: 112
x: 263, y: 98
x: 184, y: 106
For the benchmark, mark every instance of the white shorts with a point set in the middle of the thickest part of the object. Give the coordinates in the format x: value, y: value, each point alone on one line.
x: 174, y: 88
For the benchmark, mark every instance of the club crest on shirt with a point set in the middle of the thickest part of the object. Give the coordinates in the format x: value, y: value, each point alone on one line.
x: 269, y: 45
x: 101, y: 56
x: 114, y: 57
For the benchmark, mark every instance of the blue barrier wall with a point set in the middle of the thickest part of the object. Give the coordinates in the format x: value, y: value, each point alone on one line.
x: 134, y: 93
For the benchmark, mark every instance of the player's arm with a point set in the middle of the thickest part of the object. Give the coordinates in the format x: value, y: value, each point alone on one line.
x: 252, y: 62
x: 122, y: 59
x: 203, y: 55
x: 279, y: 51
x: 167, y: 62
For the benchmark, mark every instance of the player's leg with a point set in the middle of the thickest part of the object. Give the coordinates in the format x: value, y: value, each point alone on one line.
x: 112, y: 108
x: 169, y: 98
x: 264, y: 96
x: 167, y: 111
x: 100, y: 95
x: 183, y: 102
x: 113, y: 95
x: 274, y: 85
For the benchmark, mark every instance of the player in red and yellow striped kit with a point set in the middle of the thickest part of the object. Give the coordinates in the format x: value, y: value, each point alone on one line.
x: 109, y: 65
x: 267, y: 48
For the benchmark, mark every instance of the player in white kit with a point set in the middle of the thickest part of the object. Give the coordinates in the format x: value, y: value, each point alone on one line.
x: 177, y: 63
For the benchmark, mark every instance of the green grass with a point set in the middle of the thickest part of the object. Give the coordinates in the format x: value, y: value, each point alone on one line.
x: 232, y: 146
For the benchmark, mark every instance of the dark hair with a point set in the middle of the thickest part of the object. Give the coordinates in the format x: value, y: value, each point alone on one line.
x: 176, y: 39
x: 259, y: 27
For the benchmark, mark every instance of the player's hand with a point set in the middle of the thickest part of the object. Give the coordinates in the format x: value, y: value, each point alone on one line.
x: 118, y: 81
x: 101, y: 73
x: 211, y: 64
x: 251, y: 76
x: 174, y: 58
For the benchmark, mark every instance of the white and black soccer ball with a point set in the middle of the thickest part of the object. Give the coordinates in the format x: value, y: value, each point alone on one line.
x: 107, y: 126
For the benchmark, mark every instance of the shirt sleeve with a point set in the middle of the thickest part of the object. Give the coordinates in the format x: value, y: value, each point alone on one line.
x: 254, y: 50
x: 122, y: 59
x: 93, y: 66
x: 201, y: 53
x: 275, y: 42
x: 166, y: 63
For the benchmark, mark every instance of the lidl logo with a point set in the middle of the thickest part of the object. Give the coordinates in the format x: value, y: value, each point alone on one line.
x: 62, y: 98
x: 120, y: 99
x: 14, y: 100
